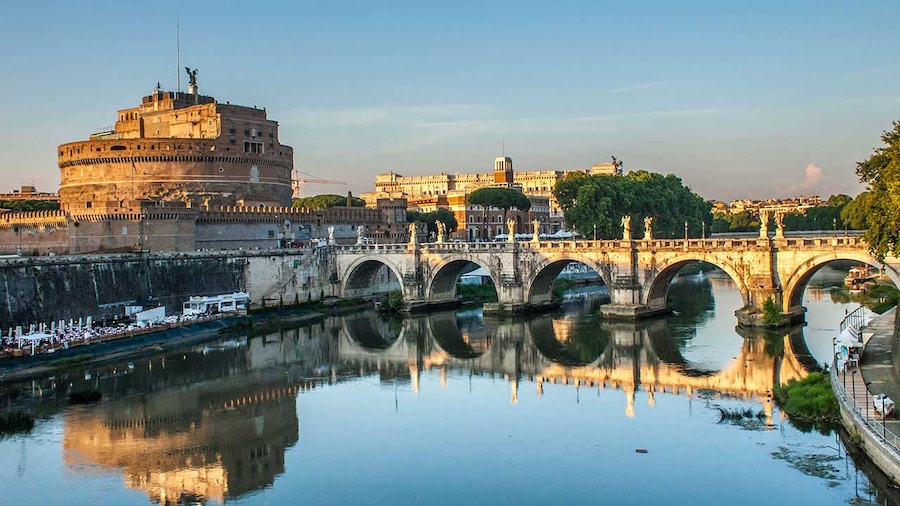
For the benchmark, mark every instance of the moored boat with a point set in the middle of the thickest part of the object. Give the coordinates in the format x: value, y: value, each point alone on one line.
x: 858, y: 275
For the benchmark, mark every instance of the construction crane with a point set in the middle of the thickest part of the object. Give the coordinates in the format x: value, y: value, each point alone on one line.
x: 296, y: 181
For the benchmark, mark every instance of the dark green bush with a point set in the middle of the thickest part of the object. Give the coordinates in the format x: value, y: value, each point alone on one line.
x: 809, y: 400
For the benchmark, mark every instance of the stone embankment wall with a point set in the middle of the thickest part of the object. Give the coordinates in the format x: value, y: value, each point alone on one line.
x: 51, y: 288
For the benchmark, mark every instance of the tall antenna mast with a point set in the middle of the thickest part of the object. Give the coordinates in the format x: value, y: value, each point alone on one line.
x: 178, y: 53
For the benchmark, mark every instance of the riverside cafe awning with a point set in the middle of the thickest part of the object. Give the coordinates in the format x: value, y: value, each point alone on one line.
x: 34, y: 340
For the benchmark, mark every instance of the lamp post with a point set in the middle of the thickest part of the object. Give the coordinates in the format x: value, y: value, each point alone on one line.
x: 595, y: 231
x: 867, y: 400
x: 853, y: 382
x: 685, y: 230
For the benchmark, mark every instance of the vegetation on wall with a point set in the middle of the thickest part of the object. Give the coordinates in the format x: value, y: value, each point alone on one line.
x: 29, y: 205
x: 325, y: 201
x: 771, y: 313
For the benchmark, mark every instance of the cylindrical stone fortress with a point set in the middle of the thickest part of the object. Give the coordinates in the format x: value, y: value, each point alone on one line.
x: 180, y: 147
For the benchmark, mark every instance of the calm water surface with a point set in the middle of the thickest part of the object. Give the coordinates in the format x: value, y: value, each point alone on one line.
x: 453, y: 408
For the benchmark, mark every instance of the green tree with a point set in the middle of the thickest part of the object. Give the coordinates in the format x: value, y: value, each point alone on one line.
x: 431, y: 219
x: 855, y: 214
x: 498, y: 198
x: 601, y: 201
x: 881, y: 172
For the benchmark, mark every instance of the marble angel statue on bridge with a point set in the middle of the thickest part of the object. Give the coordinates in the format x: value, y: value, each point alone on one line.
x: 626, y: 228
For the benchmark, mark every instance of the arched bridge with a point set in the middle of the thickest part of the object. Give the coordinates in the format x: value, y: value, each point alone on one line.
x: 637, y: 272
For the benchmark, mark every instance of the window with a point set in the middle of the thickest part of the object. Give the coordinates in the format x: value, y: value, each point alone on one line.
x: 87, y: 205
x: 271, y: 234
x: 125, y: 230
x: 231, y: 128
x: 254, y: 174
x: 255, y: 148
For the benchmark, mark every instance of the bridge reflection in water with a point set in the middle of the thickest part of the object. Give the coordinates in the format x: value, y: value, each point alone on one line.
x: 214, y: 422
x: 622, y: 356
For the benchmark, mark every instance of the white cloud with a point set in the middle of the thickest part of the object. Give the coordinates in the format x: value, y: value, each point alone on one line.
x: 812, y: 183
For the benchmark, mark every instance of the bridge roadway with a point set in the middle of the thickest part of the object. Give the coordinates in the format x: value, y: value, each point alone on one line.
x: 637, y: 271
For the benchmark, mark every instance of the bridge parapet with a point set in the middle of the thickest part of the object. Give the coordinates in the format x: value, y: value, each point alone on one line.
x: 362, y: 249
x: 818, y: 242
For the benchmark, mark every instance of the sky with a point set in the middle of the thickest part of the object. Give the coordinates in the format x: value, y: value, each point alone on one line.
x: 739, y: 99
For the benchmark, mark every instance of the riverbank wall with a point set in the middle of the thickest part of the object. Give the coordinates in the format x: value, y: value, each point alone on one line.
x: 37, y: 290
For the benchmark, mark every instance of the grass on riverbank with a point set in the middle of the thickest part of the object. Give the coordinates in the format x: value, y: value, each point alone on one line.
x: 809, y: 401
x: 77, y: 359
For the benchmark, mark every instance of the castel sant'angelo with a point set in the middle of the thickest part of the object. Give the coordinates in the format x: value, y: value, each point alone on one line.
x: 179, y: 147
x: 183, y: 171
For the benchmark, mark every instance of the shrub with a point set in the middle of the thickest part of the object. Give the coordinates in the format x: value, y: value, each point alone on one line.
x: 392, y: 302
x: 809, y: 400
x: 771, y: 313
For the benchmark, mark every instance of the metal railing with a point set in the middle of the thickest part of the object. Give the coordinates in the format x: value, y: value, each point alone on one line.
x: 865, y: 414
x: 857, y: 319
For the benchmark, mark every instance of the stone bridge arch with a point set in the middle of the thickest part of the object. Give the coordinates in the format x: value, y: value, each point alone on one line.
x: 360, y: 275
x: 441, y: 284
x: 795, y: 283
x: 540, y: 289
x: 656, y: 286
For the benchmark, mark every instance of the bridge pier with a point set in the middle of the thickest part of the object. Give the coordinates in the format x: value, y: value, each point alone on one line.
x: 753, y: 317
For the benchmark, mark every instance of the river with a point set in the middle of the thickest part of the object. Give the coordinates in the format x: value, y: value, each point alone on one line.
x: 450, y: 408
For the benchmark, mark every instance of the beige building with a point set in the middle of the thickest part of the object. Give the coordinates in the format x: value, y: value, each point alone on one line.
x: 449, y: 191
x: 178, y: 147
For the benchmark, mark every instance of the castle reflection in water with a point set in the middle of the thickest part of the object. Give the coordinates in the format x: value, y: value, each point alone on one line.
x: 214, y: 422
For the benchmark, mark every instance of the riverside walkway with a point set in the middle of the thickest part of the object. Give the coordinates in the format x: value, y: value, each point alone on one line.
x: 855, y: 387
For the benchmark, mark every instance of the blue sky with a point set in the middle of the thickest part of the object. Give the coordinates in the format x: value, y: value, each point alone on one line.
x: 751, y: 101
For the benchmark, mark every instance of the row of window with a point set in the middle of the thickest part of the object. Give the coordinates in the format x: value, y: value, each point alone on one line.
x: 251, y: 131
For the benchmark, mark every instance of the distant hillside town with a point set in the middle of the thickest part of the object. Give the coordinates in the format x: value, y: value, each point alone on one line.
x: 753, y: 206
